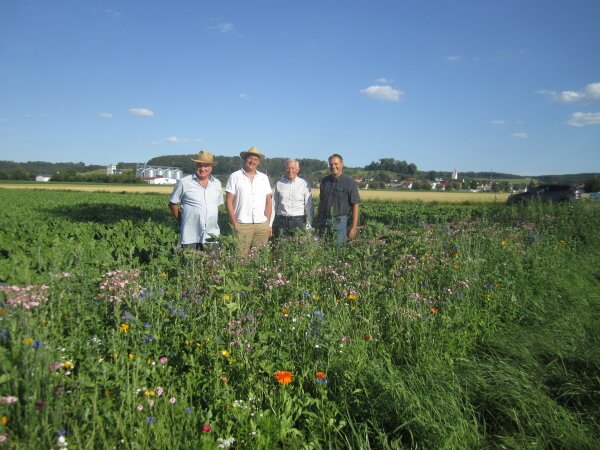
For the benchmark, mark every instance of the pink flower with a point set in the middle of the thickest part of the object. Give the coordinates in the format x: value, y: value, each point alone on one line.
x: 139, y: 408
x: 163, y: 360
x: 159, y: 391
x: 8, y: 400
x: 206, y: 428
x: 172, y: 400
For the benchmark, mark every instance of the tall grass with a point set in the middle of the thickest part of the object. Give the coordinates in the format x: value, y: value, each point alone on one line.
x: 438, y: 327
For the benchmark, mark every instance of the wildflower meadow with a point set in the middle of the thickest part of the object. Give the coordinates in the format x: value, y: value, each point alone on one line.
x: 439, y: 326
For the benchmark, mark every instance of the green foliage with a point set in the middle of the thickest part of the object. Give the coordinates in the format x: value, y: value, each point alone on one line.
x: 592, y: 185
x: 439, y: 326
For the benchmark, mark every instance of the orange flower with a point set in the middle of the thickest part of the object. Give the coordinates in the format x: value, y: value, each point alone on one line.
x: 283, y: 376
x: 320, y: 375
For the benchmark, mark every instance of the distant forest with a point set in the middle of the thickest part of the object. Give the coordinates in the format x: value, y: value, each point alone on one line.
x: 311, y: 169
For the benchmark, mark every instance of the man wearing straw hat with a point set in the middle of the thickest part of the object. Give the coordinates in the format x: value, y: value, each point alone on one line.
x: 195, y: 205
x: 249, y: 203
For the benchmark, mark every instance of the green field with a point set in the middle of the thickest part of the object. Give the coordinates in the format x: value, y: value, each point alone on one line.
x: 439, y: 326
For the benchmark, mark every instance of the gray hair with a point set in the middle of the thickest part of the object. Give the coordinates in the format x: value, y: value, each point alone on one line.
x: 292, y: 160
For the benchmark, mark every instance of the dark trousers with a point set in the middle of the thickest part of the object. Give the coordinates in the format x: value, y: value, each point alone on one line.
x: 287, y: 225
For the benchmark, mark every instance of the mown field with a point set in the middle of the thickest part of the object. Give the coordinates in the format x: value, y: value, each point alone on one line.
x: 384, y: 195
x: 440, y: 326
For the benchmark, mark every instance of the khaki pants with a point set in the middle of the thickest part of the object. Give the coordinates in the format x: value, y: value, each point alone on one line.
x: 251, y: 235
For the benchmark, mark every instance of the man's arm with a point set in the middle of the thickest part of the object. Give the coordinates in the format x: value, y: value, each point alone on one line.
x: 269, y: 209
x: 353, y: 227
x: 230, y: 209
x: 175, y: 212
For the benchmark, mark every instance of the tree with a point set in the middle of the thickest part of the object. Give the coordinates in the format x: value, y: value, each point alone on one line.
x: 592, y: 185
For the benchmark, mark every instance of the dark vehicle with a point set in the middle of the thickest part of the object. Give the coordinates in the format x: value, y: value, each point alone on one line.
x: 546, y: 193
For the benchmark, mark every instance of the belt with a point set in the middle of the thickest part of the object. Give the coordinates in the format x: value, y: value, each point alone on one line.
x: 290, y: 217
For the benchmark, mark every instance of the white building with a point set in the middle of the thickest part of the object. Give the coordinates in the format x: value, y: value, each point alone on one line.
x: 43, y: 178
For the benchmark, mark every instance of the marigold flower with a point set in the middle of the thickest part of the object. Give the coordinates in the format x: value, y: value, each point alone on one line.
x: 124, y: 328
x: 351, y: 297
x: 320, y: 375
x: 4, y: 420
x: 434, y: 310
x: 283, y: 376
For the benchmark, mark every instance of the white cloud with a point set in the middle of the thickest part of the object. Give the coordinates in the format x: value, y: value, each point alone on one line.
x: 498, y: 122
x: 384, y: 80
x: 141, y: 112
x: 453, y: 58
x: 520, y: 135
x: 112, y: 12
x: 590, y: 93
x: 106, y: 115
x: 244, y: 97
x: 223, y: 27
x: 383, y: 93
x: 176, y: 139
x: 580, y: 119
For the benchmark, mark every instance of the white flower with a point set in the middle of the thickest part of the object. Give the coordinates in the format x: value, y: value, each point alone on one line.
x: 62, y: 442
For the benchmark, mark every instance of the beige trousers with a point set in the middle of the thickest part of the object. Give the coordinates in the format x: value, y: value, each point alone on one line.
x: 251, y: 235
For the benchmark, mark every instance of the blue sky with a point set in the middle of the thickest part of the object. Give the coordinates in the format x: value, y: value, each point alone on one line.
x: 508, y: 86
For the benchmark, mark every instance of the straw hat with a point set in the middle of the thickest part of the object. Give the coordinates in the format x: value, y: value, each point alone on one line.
x: 253, y: 151
x: 205, y: 158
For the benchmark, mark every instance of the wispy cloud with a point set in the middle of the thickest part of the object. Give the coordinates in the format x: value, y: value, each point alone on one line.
x: 141, y: 112
x: 580, y: 119
x: 520, y: 135
x: 223, y: 27
x: 453, y: 58
x: 589, y: 94
x: 244, y: 97
x: 498, y: 122
x: 106, y: 115
x: 386, y: 93
x: 176, y: 139
x: 112, y: 12
x: 384, y: 80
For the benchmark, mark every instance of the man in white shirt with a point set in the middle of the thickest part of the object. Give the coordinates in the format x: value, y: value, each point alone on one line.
x: 249, y: 203
x: 293, y: 202
x: 195, y: 202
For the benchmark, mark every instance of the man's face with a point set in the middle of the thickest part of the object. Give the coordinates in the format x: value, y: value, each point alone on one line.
x: 251, y: 162
x: 203, y: 171
x: 291, y: 170
x: 336, y: 166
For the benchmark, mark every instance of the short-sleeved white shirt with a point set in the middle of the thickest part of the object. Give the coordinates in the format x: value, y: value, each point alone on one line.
x: 199, y: 208
x: 250, y: 196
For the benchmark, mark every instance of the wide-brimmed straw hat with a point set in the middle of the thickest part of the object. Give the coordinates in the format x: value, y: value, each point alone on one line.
x: 205, y: 158
x: 252, y: 151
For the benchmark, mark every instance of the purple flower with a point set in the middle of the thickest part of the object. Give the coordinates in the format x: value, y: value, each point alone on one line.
x: 150, y: 419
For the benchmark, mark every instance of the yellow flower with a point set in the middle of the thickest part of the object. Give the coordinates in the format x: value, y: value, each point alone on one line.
x: 456, y: 266
x: 4, y: 420
x: 225, y: 353
x: 352, y: 297
x: 130, y: 356
x: 124, y: 328
x: 227, y: 297
x: 114, y: 355
x: 162, y: 275
x: 28, y: 341
x: 149, y: 393
x: 503, y: 242
x: 69, y: 365
x: 106, y: 392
